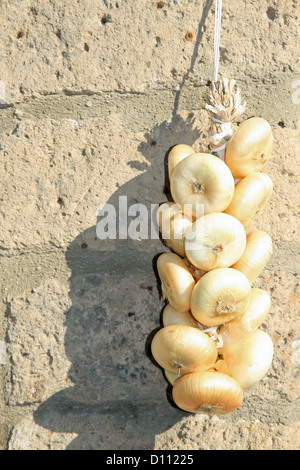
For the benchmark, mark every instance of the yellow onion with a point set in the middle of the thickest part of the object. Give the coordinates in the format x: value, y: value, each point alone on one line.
x: 203, y: 183
x: 207, y: 392
x: 259, y: 307
x: 173, y: 224
x: 250, y: 197
x: 171, y: 316
x: 177, y: 283
x: 250, y: 147
x: 249, y: 358
x: 219, y: 296
x: 181, y: 349
x: 215, y: 240
x: 256, y: 255
x: 176, y: 154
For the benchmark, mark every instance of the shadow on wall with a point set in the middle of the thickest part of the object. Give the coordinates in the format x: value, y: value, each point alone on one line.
x: 119, y: 398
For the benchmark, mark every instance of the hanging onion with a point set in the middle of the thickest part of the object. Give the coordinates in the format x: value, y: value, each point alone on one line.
x: 203, y: 182
x: 215, y: 240
x: 219, y: 296
x: 250, y: 147
x: 176, y: 154
x: 181, y: 349
x: 177, y: 283
x: 249, y: 358
x: 207, y: 392
x: 250, y: 197
x: 256, y: 255
x: 173, y: 224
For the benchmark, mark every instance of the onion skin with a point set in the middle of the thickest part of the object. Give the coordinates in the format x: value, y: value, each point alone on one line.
x: 249, y: 358
x: 204, y: 182
x: 219, y: 296
x: 176, y: 154
x: 249, y: 148
x: 177, y: 283
x: 207, y: 392
x: 251, y: 195
x: 183, y: 349
x: 215, y: 240
x: 256, y: 255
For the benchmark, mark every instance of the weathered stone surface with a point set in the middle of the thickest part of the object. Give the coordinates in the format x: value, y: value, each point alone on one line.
x: 87, y: 360
x: 96, y: 431
x: 35, y: 344
x: 29, y: 436
x: 75, y: 172
x: 85, y: 338
x: 83, y: 356
x: 281, y: 215
x: 212, y: 433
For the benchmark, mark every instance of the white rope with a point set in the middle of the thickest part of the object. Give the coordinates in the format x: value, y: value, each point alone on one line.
x: 223, y: 102
x: 218, y: 18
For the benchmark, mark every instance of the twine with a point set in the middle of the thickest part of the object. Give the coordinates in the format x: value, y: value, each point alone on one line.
x: 218, y: 19
x: 224, y: 101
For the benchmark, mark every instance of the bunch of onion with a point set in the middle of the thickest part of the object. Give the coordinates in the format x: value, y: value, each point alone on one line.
x: 210, y: 346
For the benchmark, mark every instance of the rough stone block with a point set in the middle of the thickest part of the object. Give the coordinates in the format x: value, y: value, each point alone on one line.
x: 135, y: 48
